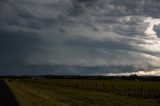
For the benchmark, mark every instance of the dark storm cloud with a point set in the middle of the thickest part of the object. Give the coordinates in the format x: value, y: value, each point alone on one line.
x: 136, y: 7
x: 111, y: 11
x: 107, y: 44
x: 77, y: 34
x: 23, y: 18
x: 15, y: 48
x: 120, y: 7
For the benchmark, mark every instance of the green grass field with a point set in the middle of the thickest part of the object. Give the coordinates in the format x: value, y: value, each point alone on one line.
x: 42, y: 93
x: 140, y: 89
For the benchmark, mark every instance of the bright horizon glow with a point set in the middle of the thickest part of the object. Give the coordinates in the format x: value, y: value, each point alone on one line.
x: 155, y: 72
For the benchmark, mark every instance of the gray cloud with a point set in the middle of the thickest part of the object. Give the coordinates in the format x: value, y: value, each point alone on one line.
x: 156, y: 28
x: 77, y: 34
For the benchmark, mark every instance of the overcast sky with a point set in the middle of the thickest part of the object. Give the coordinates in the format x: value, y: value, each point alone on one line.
x: 84, y: 37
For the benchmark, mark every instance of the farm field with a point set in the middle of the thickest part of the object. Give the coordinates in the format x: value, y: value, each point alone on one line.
x: 140, y: 89
x: 67, y: 92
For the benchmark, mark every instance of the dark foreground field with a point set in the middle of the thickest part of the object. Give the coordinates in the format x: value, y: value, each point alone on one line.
x: 51, y: 93
x: 6, y: 96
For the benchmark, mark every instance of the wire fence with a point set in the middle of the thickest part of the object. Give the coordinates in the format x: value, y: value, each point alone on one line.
x: 140, y: 90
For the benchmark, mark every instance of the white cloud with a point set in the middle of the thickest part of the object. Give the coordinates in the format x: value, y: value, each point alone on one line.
x: 150, y: 30
x: 139, y: 73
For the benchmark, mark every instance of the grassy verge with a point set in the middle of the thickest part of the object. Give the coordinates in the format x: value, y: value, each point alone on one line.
x: 63, y: 96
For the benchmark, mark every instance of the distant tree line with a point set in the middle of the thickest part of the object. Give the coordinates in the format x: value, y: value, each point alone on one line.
x: 99, y: 77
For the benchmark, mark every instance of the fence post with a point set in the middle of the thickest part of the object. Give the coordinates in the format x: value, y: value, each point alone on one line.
x: 81, y: 85
x: 142, y: 91
x: 126, y: 91
x: 77, y: 85
x: 86, y: 86
x: 113, y: 88
x: 103, y: 86
x: 96, y: 86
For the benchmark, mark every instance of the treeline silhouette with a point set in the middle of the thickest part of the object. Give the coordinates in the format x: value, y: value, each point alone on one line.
x: 99, y: 77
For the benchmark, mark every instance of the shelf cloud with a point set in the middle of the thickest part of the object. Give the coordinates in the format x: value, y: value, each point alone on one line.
x: 79, y: 36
